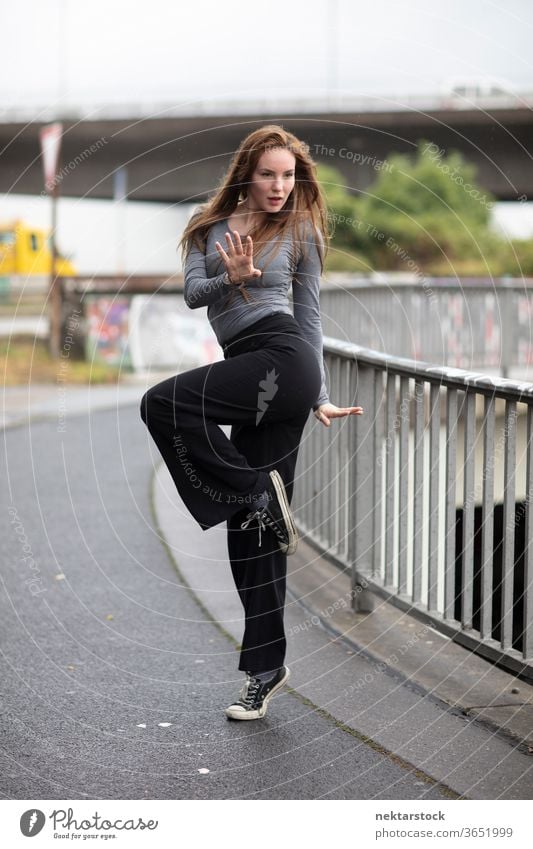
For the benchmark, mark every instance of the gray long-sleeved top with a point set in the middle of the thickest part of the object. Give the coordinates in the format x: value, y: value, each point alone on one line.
x: 294, y: 264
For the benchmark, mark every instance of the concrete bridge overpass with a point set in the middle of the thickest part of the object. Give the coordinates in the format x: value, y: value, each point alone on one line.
x: 177, y: 154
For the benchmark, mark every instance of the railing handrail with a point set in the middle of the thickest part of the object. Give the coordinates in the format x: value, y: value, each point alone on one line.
x: 457, y: 378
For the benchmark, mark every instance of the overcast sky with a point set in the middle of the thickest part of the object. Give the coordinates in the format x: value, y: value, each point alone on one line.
x: 107, y: 50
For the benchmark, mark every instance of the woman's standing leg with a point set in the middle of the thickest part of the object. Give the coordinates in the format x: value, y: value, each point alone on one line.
x: 260, y: 571
x: 266, y: 395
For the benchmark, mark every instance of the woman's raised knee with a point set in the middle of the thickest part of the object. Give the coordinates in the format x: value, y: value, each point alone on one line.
x: 145, y: 403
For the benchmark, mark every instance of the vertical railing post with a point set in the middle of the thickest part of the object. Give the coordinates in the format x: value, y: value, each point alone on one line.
x: 469, y: 506
x: 403, y: 484
x: 434, y: 500
x: 509, y: 517
x: 418, y: 490
x: 527, y: 643
x: 451, y: 508
x: 390, y: 481
x: 377, y: 422
x: 487, y: 519
x: 360, y: 542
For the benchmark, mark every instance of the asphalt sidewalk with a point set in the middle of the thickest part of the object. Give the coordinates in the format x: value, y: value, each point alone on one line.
x: 392, y: 682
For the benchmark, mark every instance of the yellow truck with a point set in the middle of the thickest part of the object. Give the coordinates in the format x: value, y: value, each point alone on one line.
x: 26, y: 250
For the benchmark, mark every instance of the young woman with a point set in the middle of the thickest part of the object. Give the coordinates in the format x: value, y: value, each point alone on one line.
x: 262, y: 233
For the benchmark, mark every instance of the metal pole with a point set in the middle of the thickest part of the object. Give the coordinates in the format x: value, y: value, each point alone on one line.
x: 54, y: 290
x: 120, y: 179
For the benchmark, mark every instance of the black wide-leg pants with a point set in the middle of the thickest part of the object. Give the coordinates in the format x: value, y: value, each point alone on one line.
x: 265, y: 388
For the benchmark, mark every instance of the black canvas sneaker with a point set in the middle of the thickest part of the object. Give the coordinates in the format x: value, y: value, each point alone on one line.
x: 255, y: 695
x: 274, y: 512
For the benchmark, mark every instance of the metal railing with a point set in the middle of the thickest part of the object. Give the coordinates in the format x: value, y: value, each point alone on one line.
x: 481, y: 324
x: 398, y: 497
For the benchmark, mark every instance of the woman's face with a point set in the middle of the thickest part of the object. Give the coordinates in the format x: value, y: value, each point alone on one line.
x: 272, y: 181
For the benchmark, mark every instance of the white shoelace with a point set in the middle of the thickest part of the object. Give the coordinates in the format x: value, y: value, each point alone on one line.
x: 252, y: 685
x: 259, y: 516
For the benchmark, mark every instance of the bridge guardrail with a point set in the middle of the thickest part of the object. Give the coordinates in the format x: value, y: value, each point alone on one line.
x: 376, y: 494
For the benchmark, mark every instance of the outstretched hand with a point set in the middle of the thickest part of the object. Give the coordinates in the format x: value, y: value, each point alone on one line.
x: 326, y: 412
x: 239, y: 260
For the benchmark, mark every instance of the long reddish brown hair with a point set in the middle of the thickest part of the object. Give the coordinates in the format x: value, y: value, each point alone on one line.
x: 305, y: 203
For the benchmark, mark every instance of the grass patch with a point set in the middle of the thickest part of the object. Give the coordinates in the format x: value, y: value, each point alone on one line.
x: 26, y: 359
x: 33, y: 305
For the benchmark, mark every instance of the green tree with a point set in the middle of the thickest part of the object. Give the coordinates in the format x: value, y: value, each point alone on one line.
x: 348, y: 247
x: 427, y: 209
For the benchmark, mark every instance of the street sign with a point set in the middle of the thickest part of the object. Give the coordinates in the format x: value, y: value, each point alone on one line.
x: 50, y: 138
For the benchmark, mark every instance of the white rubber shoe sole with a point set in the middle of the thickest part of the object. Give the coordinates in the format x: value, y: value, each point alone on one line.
x: 286, y: 511
x: 238, y: 712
